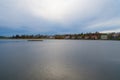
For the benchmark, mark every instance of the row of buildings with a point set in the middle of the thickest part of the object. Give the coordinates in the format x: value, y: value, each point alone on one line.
x: 89, y: 36
x: 85, y: 36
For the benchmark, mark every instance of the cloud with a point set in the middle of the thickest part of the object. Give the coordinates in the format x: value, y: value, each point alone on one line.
x: 110, y: 31
x: 65, y: 10
x: 106, y: 23
x: 60, y: 15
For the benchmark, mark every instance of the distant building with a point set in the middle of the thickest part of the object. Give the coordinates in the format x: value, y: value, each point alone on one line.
x: 104, y: 36
x: 94, y: 37
x: 73, y: 37
x: 79, y: 37
x: 59, y: 37
x: 115, y: 35
x: 67, y: 37
x: 87, y: 37
x: 51, y: 37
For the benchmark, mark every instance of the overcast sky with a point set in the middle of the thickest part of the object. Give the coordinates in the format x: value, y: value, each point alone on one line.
x: 58, y: 16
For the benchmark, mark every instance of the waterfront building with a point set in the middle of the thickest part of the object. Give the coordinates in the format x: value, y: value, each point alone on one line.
x: 104, y: 36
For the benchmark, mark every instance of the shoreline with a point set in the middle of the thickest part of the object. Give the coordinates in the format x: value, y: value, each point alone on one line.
x: 60, y: 39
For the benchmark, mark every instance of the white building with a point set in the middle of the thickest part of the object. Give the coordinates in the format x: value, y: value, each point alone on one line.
x: 52, y: 37
x: 67, y: 37
x: 104, y: 37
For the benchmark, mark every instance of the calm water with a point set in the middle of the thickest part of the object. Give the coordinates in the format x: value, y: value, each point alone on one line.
x: 59, y: 60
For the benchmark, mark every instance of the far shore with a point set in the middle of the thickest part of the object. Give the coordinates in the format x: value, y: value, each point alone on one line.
x: 57, y: 39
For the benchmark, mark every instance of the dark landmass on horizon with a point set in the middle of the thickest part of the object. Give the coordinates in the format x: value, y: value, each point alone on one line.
x: 83, y: 36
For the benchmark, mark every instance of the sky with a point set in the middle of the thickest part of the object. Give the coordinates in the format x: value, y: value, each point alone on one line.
x: 58, y: 16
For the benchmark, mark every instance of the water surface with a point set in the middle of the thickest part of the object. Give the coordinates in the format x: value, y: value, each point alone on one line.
x: 59, y: 60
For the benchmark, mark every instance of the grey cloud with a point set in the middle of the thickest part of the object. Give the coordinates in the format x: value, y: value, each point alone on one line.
x: 90, y: 14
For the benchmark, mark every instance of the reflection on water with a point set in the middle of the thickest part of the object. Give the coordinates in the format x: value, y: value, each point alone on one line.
x: 60, y: 60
